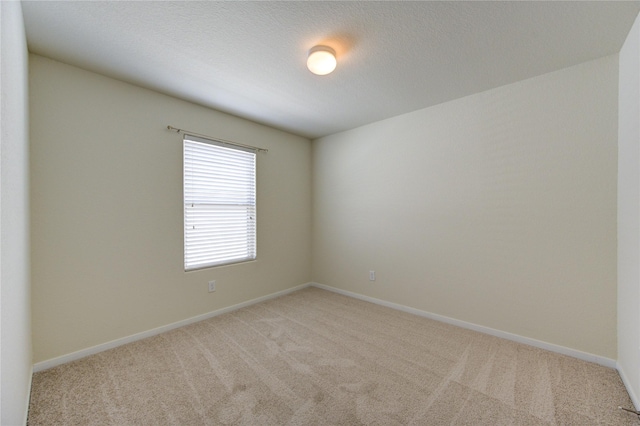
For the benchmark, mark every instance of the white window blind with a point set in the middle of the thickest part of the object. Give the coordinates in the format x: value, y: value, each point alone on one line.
x: 219, y: 204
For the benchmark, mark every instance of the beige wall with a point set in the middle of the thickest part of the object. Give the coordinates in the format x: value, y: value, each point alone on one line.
x: 629, y: 214
x: 14, y: 217
x: 107, y: 211
x: 498, y: 209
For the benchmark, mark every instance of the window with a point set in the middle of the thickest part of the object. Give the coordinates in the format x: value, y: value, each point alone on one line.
x: 219, y: 204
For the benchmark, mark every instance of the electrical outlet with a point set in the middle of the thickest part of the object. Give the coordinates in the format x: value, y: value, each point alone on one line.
x: 212, y: 286
x: 372, y: 275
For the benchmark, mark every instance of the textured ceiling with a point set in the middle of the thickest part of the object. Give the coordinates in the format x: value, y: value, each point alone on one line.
x: 248, y: 58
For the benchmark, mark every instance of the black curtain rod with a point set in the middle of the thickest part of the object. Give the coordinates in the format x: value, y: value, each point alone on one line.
x: 226, y: 142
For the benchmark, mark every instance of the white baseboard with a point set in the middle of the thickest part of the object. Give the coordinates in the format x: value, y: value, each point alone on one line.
x: 607, y: 362
x: 627, y: 384
x: 45, y: 365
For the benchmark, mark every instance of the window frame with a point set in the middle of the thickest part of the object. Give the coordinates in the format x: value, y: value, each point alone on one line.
x: 223, y: 209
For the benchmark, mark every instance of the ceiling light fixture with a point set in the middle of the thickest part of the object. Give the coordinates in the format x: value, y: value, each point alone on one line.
x: 321, y: 60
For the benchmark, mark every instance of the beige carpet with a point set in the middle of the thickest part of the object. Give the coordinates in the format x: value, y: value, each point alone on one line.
x: 317, y: 358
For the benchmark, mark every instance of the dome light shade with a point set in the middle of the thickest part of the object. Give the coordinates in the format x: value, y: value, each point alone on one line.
x: 321, y: 60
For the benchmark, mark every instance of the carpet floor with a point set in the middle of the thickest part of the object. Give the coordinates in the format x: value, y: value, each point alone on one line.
x: 314, y: 357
